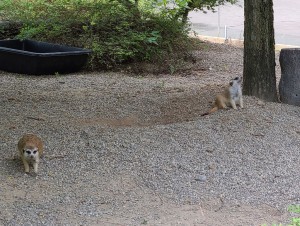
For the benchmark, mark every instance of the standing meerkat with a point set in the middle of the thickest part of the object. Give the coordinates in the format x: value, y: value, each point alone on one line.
x: 30, y: 148
x: 231, y: 96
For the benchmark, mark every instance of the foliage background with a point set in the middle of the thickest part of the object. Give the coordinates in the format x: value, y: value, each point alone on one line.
x: 117, y: 31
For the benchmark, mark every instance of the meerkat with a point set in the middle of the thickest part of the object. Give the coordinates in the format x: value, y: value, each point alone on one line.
x: 30, y: 148
x: 231, y: 96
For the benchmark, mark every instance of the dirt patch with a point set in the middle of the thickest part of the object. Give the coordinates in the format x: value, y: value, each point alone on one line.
x: 177, y: 105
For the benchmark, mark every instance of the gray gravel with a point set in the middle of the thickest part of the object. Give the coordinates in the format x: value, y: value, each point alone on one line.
x: 118, y: 145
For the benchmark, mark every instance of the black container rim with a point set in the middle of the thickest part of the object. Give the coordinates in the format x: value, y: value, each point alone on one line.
x: 28, y: 53
x: 72, y: 51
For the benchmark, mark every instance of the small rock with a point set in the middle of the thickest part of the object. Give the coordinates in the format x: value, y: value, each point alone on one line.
x: 209, y: 150
x: 261, y: 103
x: 201, y: 178
x: 212, y: 166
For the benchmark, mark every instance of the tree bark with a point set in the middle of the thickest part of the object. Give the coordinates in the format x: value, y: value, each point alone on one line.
x: 183, y: 13
x: 259, y: 51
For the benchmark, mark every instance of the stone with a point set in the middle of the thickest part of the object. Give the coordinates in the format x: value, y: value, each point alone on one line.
x: 201, y: 178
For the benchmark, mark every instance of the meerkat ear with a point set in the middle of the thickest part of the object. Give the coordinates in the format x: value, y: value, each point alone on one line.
x: 231, y: 83
x: 23, y: 151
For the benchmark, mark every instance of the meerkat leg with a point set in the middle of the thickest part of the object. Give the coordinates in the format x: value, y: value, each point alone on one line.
x: 35, y: 166
x: 241, y: 102
x: 232, y: 102
x: 223, y: 105
x: 26, y: 166
x: 220, y: 102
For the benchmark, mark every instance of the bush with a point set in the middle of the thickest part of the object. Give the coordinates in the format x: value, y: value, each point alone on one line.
x: 117, y: 31
x: 295, y: 221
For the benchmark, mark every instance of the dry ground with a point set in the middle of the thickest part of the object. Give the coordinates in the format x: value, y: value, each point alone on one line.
x: 133, y: 150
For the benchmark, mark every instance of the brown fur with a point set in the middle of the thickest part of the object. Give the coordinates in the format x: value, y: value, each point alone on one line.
x: 30, y: 142
x: 225, y: 99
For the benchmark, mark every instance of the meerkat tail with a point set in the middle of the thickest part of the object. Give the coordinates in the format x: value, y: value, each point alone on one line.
x: 214, y: 109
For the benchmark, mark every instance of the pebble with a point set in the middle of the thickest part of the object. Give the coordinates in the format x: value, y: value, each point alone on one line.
x: 201, y: 178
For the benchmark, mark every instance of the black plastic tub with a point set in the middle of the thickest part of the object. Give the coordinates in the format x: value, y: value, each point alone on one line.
x: 40, y: 58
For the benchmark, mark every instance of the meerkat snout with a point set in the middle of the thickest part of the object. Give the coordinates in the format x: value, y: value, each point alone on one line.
x: 31, y: 153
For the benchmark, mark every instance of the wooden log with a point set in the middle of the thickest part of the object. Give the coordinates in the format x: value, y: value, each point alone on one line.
x: 289, y: 85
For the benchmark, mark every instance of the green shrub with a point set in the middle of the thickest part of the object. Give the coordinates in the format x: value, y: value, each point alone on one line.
x: 117, y: 31
x: 295, y: 221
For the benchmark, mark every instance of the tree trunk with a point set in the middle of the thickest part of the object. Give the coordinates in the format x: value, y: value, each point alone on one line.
x: 259, y: 53
x: 184, y: 12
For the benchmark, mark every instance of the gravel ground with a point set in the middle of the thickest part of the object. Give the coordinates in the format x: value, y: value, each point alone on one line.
x: 134, y: 150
